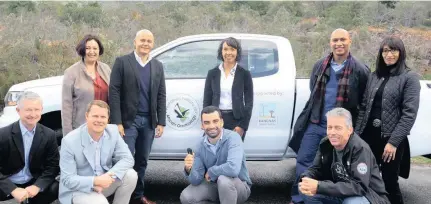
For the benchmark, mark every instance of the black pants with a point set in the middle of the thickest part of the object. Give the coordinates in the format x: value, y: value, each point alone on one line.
x: 390, y: 171
x: 230, y: 122
x: 47, y: 196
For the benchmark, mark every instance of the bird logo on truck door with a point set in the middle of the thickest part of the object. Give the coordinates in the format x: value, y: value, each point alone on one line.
x: 182, y: 112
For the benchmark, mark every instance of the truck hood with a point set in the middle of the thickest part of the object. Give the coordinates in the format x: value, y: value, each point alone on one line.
x: 50, y: 81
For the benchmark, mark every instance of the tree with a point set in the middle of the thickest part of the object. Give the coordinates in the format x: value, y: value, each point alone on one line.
x: 90, y: 13
x: 20, y: 6
x: 389, y: 4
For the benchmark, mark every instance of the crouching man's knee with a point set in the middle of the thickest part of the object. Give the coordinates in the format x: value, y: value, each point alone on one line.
x: 130, y: 178
x: 224, y: 182
x: 186, y: 197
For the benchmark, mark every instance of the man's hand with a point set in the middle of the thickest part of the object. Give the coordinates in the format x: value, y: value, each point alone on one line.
x: 389, y: 153
x: 239, y: 130
x: 159, y: 131
x: 188, y: 162
x: 104, y: 180
x: 19, y: 194
x: 97, y: 189
x: 32, y: 190
x: 308, y: 186
x: 207, y: 177
x: 121, y: 130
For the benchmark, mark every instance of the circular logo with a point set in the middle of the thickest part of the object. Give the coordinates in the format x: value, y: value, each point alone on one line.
x: 182, y: 112
x: 362, y: 168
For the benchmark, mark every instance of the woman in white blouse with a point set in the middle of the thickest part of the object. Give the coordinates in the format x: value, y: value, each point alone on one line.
x: 229, y: 87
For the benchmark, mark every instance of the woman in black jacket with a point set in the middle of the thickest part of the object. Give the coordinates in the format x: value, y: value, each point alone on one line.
x: 230, y: 88
x: 388, y: 112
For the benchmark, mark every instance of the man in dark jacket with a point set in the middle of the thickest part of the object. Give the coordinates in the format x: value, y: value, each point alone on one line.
x: 137, y: 100
x: 337, y: 80
x: 344, y: 169
x: 28, y: 156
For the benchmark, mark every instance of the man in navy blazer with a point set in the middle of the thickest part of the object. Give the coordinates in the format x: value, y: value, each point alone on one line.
x: 95, y: 161
x: 137, y: 96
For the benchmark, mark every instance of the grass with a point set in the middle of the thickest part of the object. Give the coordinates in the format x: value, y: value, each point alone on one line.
x: 421, y: 160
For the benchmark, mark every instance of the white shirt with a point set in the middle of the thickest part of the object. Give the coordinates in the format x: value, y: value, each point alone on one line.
x: 139, y: 60
x: 226, y: 87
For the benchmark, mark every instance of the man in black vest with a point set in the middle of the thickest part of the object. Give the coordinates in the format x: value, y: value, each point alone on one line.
x: 337, y: 80
x: 137, y: 99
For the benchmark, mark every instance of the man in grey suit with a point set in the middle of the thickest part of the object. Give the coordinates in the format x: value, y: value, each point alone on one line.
x: 95, y: 162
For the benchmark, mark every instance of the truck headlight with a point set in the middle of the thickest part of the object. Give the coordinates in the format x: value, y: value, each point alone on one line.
x: 11, y: 98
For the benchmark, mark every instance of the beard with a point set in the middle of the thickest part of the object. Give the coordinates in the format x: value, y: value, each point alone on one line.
x: 213, y: 133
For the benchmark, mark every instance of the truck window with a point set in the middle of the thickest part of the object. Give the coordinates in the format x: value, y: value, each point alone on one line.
x: 260, y: 57
x: 193, y: 60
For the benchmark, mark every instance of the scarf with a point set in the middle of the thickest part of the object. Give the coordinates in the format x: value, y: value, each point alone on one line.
x: 320, y: 87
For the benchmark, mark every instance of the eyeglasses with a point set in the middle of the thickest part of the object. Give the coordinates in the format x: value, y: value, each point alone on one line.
x: 393, y: 52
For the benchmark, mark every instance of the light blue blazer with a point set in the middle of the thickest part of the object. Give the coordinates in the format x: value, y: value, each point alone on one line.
x: 77, y: 160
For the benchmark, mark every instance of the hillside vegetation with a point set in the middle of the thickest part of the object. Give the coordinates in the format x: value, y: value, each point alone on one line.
x: 38, y: 38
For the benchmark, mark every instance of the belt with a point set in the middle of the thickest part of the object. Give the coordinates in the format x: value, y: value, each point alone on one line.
x: 226, y: 111
x: 377, y: 122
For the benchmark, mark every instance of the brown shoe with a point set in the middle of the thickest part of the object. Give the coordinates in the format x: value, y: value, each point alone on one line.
x: 145, y: 200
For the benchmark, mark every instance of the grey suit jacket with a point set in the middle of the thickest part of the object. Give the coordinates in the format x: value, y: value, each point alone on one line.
x: 77, y: 93
x: 77, y: 160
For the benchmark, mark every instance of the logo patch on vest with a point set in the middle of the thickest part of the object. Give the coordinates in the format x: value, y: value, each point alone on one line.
x: 362, y: 168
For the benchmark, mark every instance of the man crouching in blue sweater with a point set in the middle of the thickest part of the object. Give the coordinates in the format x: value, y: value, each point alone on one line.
x: 217, y: 169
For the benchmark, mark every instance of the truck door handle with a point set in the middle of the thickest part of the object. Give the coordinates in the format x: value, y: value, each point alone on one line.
x: 429, y: 86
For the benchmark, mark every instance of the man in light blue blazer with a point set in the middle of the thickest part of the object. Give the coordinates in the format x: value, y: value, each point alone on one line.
x: 95, y: 162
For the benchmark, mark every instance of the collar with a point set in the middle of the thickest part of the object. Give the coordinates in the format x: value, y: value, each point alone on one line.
x: 93, y: 141
x: 206, y: 140
x: 24, y: 129
x: 140, y: 60
x: 232, y: 71
x: 335, y: 63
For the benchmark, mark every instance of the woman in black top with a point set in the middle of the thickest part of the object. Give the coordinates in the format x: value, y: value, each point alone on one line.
x: 388, y: 112
x: 230, y: 88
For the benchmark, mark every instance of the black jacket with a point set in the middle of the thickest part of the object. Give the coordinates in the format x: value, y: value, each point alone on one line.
x: 124, y: 90
x: 242, y: 93
x: 359, y: 174
x: 43, y: 156
x: 400, y: 103
x: 357, y: 83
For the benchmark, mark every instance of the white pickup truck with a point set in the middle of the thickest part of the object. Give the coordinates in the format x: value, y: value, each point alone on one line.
x: 278, y: 96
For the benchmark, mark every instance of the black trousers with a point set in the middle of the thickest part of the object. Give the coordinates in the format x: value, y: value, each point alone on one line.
x: 390, y: 171
x: 230, y: 122
x: 47, y: 196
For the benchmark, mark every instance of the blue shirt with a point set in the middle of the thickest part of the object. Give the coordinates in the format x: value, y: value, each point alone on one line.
x: 24, y: 175
x: 98, y: 170
x: 228, y: 161
x: 215, y: 146
x: 337, y: 67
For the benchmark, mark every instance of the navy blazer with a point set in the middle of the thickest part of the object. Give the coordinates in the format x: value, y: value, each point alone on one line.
x: 124, y: 90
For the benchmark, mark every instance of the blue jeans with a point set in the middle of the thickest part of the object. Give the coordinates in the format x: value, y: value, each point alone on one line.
x: 321, y: 199
x: 305, y: 157
x: 139, y: 137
